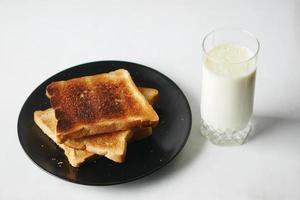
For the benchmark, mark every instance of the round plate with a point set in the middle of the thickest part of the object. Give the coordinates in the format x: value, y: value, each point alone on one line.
x: 143, y: 157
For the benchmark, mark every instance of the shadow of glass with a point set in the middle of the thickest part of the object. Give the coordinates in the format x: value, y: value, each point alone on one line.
x: 189, y: 153
x: 263, y: 124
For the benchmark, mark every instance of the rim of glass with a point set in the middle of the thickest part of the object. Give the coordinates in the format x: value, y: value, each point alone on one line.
x: 236, y: 29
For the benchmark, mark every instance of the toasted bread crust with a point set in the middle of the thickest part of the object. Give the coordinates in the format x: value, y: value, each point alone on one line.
x: 92, y: 143
x: 46, y: 121
x: 111, y: 145
x: 98, y: 104
x: 151, y: 94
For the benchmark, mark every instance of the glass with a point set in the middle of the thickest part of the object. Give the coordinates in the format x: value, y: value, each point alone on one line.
x: 228, y: 82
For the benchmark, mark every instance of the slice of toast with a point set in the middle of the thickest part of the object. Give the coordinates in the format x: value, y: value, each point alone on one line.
x: 150, y: 94
x: 111, y: 145
x: 44, y: 119
x: 98, y: 104
x: 47, y: 122
x: 89, y: 143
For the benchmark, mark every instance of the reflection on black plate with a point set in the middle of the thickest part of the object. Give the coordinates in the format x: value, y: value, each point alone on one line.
x: 143, y: 157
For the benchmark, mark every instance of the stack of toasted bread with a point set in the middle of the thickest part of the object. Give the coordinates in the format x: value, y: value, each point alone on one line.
x: 97, y: 115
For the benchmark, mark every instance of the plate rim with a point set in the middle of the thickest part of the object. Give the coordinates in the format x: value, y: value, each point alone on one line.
x: 110, y: 182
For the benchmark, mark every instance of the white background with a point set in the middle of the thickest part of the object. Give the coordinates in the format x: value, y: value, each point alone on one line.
x: 41, y: 38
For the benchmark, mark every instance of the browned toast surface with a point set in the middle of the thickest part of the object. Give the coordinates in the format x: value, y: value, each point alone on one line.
x: 47, y: 122
x: 110, y: 145
x: 92, y: 143
x: 98, y: 104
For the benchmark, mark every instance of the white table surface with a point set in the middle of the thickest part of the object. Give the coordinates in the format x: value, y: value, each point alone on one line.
x: 41, y: 38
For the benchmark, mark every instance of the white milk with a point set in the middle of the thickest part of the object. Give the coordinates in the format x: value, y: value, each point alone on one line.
x: 228, y: 87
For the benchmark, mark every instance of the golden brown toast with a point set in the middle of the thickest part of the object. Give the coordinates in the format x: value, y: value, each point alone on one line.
x: 113, y: 146
x: 151, y: 96
x: 98, y: 104
x: 44, y: 119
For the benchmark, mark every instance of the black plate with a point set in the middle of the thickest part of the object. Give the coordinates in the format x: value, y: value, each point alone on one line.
x: 143, y: 157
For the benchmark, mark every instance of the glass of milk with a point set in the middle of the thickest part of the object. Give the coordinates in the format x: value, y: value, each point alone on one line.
x: 228, y: 82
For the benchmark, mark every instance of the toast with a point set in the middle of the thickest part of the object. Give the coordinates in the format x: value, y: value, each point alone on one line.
x: 111, y: 145
x: 44, y: 119
x: 89, y: 143
x: 151, y: 94
x: 47, y: 122
x: 98, y: 104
